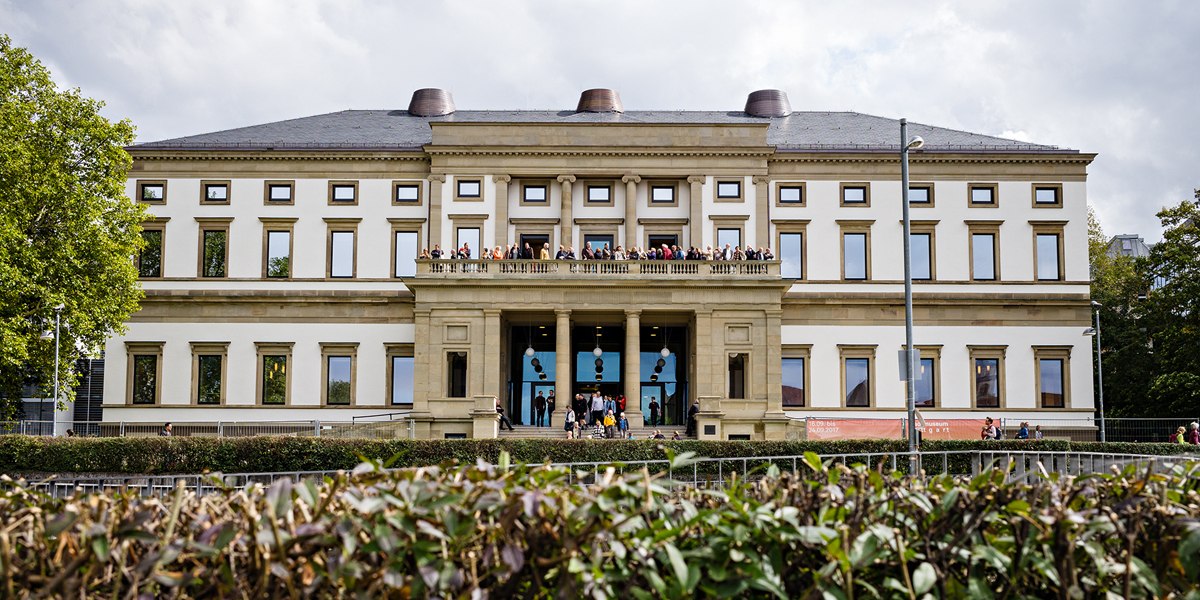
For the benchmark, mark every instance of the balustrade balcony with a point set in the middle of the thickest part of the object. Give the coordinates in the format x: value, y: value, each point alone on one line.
x: 637, y: 269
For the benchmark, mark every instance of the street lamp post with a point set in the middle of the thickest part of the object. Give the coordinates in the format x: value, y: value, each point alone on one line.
x: 910, y: 352
x: 1099, y: 369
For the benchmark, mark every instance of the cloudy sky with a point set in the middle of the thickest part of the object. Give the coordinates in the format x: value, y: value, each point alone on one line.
x: 1115, y: 78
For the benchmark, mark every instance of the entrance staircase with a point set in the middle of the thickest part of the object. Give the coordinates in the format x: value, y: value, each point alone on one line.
x: 529, y: 432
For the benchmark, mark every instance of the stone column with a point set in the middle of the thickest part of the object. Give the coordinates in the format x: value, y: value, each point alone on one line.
x: 435, y: 210
x: 566, y: 222
x: 501, y: 209
x: 631, y: 203
x: 696, y: 220
x: 762, y: 211
x: 633, y: 368
x: 562, y: 359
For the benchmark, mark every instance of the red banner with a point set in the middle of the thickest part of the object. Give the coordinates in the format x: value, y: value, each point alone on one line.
x: 853, y: 429
x: 949, y: 429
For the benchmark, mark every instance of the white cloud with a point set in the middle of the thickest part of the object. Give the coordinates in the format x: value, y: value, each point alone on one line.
x: 1099, y: 76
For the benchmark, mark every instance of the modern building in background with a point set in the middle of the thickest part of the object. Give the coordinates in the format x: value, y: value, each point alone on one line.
x: 283, y: 282
x: 1128, y: 244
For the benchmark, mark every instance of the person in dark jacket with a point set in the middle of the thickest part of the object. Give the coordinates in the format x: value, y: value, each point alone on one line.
x: 691, y: 420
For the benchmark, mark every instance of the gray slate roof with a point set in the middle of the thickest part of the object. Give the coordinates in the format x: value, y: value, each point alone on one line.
x: 398, y: 130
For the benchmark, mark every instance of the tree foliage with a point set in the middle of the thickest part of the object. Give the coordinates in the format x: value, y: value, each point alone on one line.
x: 1150, y: 320
x: 67, y: 229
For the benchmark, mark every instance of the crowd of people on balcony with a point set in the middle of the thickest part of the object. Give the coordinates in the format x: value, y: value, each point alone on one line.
x: 664, y: 252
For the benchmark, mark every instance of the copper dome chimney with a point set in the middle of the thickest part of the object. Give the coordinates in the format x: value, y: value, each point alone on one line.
x: 431, y: 102
x: 600, y: 100
x: 768, y: 103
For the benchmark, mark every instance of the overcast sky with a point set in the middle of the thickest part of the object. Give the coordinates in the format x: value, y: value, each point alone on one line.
x: 1115, y: 78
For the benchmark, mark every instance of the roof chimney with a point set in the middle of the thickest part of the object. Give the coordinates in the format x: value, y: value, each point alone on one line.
x: 768, y: 103
x: 431, y: 102
x: 599, y: 100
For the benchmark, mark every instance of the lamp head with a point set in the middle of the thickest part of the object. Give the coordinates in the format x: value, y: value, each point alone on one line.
x: 916, y: 143
x: 1090, y: 331
x: 1096, y: 304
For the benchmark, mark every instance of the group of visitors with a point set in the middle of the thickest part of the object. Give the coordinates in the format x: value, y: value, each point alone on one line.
x: 663, y: 252
x: 991, y: 431
x: 1187, y: 435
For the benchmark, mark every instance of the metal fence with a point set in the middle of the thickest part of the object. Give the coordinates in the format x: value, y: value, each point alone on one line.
x: 380, y: 428
x: 1020, y: 466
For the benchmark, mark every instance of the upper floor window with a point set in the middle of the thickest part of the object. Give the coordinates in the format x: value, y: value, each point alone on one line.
x: 662, y: 194
x: 1047, y: 195
x: 982, y: 195
x: 729, y: 190
x: 152, y: 192
x: 920, y: 194
x: 1049, y: 256
x: 468, y: 189
x: 921, y: 255
x: 341, y: 254
x: 791, y: 194
x: 856, y: 194
x: 214, y: 250
x: 214, y: 192
x: 278, y: 192
x: 791, y: 254
x: 856, y: 250
x: 149, y: 262
x: 406, y: 192
x: 535, y: 194
x: 343, y: 192
x: 985, y: 250
x: 599, y: 194
x: 279, y: 254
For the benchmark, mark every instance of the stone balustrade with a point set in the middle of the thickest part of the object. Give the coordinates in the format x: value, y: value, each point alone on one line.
x: 666, y: 269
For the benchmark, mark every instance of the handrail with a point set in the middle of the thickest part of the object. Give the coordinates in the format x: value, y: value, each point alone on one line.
x: 476, y: 267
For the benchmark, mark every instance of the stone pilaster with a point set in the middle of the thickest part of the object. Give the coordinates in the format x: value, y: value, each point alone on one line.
x: 696, y: 219
x: 501, y: 209
x: 631, y: 203
x: 435, y: 210
x: 567, y: 222
x: 762, y: 211
x: 490, y: 357
x: 633, y: 367
x: 562, y: 359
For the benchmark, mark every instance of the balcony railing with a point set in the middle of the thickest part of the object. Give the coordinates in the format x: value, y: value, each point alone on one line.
x: 665, y: 269
x: 669, y: 269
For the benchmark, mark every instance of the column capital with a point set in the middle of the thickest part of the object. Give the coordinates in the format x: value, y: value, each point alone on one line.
x: 760, y: 179
x: 501, y: 178
x: 562, y: 312
x: 495, y: 312
x: 697, y: 178
x: 566, y: 179
x: 438, y: 177
x: 633, y: 312
x: 631, y: 178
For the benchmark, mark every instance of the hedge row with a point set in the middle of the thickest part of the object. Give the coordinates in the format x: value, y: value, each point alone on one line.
x: 149, y: 456
x: 493, y: 532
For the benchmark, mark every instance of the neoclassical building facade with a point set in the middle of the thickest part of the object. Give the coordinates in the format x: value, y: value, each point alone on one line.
x: 283, y: 278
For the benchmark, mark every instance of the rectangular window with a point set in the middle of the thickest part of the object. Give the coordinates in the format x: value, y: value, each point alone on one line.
x: 343, y: 192
x: 854, y: 256
x: 983, y: 256
x: 337, y: 380
x: 599, y: 194
x: 406, y: 193
x: 468, y: 239
x: 214, y: 192
x: 209, y: 371
x: 987, y: 383
x: 406, y: 243
x: 274, y: 379
x: 215, y: 252
x: 1049, y: 262
x: 1051, y: 381
x: 920, y: 252
x: 791, y: 255
x: 730, y: 236
x: 926, y: 386
x: 145, y: 378
x: 468, y: 188
x: 401, y: 376
x: 662, y: 194
x: 856, y: 194
x: 537, y: 194
x: 729, y: 190
x: 794, y: 381
x: 149, y: 262
x: 279, y: 254
x: 278, y: 192
x: 791, y: 194
x: 982, y: 194
x: 456, y: 370
x: 858, y: 382
x: 152, y: 192
x: 920, y: 194
x: 737, y: 376
x: 1047, y: 195
x: 341, y: 254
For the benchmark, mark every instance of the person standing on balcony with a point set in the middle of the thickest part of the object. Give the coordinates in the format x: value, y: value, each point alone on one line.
x: 436, y: 253
x: 562, y: 253
x: 544, y: 252
x: 539, y: 410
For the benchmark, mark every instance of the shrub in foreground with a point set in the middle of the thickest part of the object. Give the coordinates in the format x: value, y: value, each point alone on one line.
x: 495, y: 531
